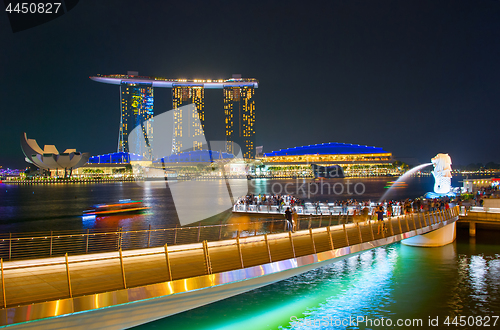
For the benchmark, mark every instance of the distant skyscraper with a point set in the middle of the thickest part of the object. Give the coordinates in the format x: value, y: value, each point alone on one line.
x: 239, y: 111
x: 136, y: 110
x: 186, y: 123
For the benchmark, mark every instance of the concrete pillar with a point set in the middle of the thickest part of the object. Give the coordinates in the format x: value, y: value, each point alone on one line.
x: 472, y: 228
x: 439, y: 237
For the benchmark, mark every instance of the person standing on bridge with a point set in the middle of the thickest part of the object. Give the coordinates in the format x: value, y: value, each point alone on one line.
x: 380, y: 218
x: 288, y: 216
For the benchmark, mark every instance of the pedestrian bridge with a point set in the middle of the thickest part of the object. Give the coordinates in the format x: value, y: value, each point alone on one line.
x: 128, y: 287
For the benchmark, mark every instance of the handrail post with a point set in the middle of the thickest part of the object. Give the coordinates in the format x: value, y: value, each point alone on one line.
x: 346, y: 236
x: 207, y: 258
x: 406, y: 221
x: 118, y: 238
x: 371, y: 230
x: 330, y: 222
x: 272, y: 225
x: 291, y: 243
x: 50, y: 251
x: 87, y: 242
x: 414, y: 223
x: 320, y: 220
x: 399, y: 223
x: 175, y: 235
x: 149, y: 234
x: 312, y: 240
x: 268, y: 248
x: 220, y: 230
x: 167, y: 260
x: 359, y: 232
x: 10, y: 246
x: 309, y: 226
x: 330, y: 237
x: 3, y: 286
x: 67, y: 274
x: 239, y: 251
x: 391, y: 226
x: 199, y: 231
x: 123, y: 269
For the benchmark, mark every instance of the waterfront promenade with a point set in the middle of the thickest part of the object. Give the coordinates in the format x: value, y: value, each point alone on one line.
x: 185, y: 276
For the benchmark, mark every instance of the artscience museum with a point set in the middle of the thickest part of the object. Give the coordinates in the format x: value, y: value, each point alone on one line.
x: 49, y: 159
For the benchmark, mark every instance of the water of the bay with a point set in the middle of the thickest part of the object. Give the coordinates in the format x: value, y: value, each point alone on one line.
x: 43, y: 207
x: 395, y: 282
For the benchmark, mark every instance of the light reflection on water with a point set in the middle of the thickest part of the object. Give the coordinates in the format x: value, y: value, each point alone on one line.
x: 43, y: 207
x: 393, y: 282
x: 367, y: 290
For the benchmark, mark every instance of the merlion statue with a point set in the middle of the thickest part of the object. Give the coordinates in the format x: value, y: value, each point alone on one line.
x: 442, y: 173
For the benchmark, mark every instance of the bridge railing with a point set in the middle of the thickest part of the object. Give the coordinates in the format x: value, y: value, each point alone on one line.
x: 119, y: 269
x: 311, y: 209
x: 19, y: 246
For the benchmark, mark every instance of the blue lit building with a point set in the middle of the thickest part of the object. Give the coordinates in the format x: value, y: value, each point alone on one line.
x: 355, y: 159
x: 115, y: 158
x: 197, y: 156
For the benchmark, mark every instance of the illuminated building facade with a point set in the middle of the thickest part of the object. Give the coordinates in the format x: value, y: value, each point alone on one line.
x: 188, y: 122
x: 136, y: 110
x: 239, y: 112
x: 137, y: 107
x: 355, y: 160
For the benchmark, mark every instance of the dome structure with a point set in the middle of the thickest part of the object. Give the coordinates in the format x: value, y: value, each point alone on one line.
x: 49, y: 157
x: 205, y: 156
x: 332, y: 148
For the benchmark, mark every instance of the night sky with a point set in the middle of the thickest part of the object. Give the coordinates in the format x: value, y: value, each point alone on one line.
x: 413, y: 77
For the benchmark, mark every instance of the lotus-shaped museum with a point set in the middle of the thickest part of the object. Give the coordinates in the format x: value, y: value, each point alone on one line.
x: 49, y: 158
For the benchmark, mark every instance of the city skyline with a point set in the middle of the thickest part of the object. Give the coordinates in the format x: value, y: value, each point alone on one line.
x: 188, y: 131
x: 417, y: 78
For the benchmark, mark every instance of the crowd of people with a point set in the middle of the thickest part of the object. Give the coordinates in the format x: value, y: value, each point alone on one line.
x: 351, y: 206
x: 270, y: 200
x: 361, y: 210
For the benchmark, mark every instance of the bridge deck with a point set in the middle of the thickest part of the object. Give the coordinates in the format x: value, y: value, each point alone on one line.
x: 40, y: 280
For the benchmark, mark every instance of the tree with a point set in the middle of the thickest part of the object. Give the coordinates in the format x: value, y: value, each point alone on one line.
x: 492, y: 166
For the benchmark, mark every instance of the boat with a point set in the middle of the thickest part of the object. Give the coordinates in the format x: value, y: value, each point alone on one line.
x: 124, y: 205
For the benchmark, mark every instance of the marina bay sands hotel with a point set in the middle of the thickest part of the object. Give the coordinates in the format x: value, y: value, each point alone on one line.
x: 137, y: 100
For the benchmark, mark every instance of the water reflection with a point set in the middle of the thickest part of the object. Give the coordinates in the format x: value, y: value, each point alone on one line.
x: 367, y: 287
x: 394, y: 282
x: 477, y: 272
x: 124, y: 221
